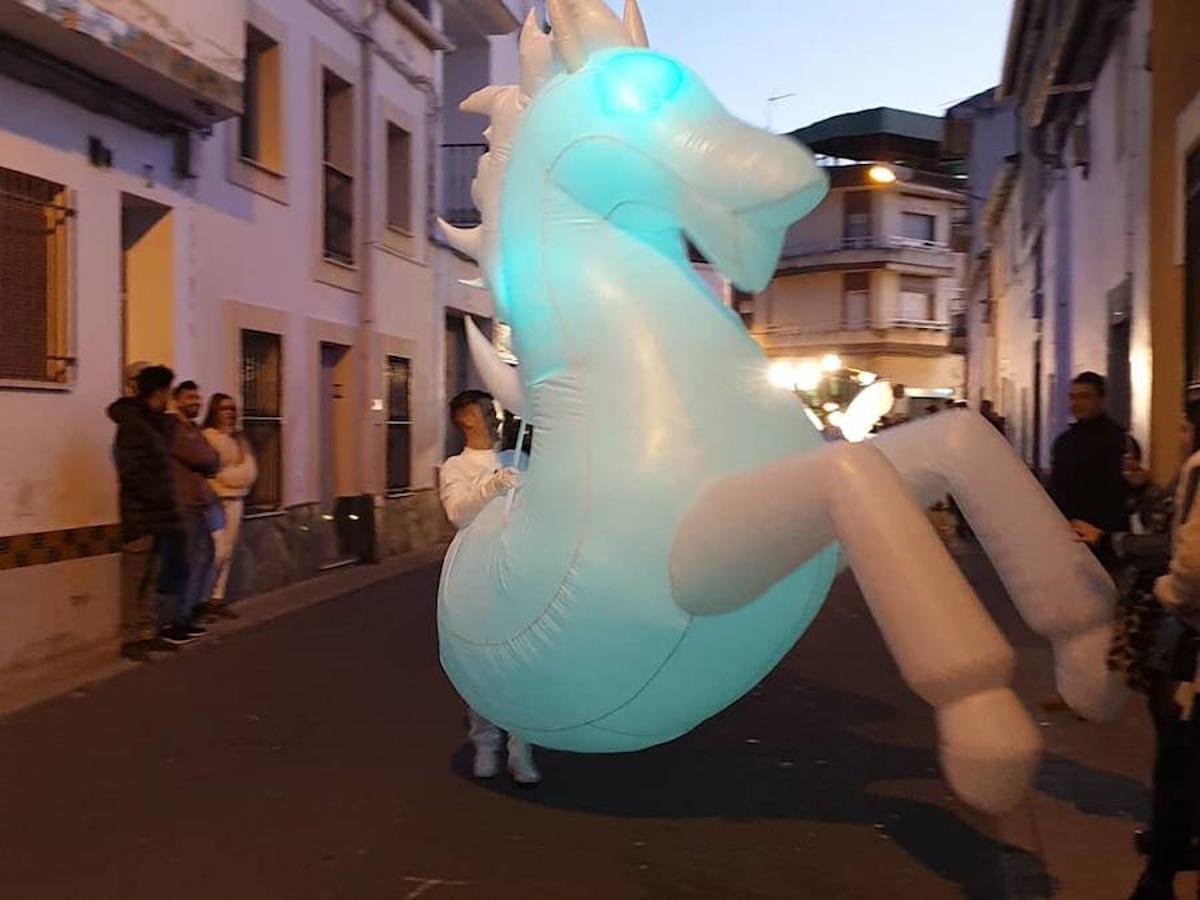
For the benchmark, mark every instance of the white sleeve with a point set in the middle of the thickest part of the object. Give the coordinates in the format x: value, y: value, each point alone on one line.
x: 462, y: 496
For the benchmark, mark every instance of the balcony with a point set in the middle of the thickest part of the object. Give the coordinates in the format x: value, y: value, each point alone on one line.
x: 911, y: 337
x: 459, y: 162
x: 155, y: 64
x: 871, y: 251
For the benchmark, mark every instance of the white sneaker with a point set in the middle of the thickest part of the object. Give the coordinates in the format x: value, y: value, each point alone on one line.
x: 487, y: 762
x: 521, y: 767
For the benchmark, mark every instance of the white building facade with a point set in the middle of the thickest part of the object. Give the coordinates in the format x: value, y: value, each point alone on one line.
x: 1059, y: 278
x: 243, y: 190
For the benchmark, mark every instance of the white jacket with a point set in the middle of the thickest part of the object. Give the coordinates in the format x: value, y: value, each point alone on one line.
x: 1179, y: 591
x: 238, y: 466
x: 463, y: 484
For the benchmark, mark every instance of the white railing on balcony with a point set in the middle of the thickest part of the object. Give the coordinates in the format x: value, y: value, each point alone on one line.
x: 869, y: 242
x: 819, y: 329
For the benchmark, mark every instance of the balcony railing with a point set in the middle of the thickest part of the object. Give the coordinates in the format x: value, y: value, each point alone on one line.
x: 817, y: 329
x: 459, y: 163
x: 868, y: 242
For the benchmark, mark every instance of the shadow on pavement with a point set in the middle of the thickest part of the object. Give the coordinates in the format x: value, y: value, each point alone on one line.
x: 815, y: 769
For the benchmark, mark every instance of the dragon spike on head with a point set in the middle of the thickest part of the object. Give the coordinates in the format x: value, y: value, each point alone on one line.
x: 537, y: 57
x: 635, y: 25
x: 582, y: 27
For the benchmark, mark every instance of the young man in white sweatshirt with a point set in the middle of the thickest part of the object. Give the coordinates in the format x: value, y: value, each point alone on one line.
x: 468, y: 482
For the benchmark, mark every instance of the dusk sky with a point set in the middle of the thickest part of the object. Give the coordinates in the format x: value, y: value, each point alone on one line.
x: 837, y: 55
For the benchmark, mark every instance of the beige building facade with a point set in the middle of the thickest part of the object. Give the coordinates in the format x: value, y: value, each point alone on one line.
x: 871, y: 276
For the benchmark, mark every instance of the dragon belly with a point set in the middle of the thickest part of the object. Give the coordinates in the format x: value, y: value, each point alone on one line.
x: 555, y: 615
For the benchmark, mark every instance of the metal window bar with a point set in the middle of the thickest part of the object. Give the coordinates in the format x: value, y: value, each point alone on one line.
x: 35, y: 337
x: 398, y: 375
x: 261, y: 416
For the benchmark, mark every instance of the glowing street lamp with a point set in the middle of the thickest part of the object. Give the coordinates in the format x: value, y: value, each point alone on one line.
x: 881, y: 174
x: 831, y: 362
x: 782, y: 375
x: 807, y: 376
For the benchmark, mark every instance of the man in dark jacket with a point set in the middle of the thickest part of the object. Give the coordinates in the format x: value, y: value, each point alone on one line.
x: 193, y: 462
x: 151, y: 526
x: 1087, y: 478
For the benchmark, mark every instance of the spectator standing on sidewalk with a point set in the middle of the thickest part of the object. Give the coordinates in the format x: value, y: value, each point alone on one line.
x: 1156, y: 651
x: 193, y: 462
x: 1087, y: 478
x: 152, y: 563
x: 231, y: 484
x: 467, y: 483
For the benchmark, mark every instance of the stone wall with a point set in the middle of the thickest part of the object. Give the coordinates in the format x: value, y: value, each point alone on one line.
x: 283, y: 548
x: 410, y: 523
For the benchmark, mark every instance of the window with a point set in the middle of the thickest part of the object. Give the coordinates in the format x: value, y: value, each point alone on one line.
x: 917, y: 300
x: 399, y: 178
x: 918, y: 227
x: 1191, y: 269
x: 261, y: 414
x: 34, y: 337
x: 856, y: 299
x: 399, y: 426
x: 260, y: 131
x: 337, y: 121
x: 857, y: 217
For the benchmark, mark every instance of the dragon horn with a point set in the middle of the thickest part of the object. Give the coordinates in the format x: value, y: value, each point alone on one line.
x: 582, y: 27
x: 635, y: 25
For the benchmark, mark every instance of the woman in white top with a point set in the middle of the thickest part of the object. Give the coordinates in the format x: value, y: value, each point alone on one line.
x: 231, y: 484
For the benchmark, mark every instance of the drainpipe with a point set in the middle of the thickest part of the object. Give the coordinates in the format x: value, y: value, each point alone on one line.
x: 368, y: 374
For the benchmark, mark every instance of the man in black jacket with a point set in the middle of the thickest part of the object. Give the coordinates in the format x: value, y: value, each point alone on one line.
x: 1087, y: 478
x: 152, y: 558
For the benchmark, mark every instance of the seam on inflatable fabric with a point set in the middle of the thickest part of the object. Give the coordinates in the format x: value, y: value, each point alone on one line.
x: 624, y: 703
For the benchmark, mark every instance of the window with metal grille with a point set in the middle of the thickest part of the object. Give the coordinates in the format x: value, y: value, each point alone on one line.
x: 34, y: 307
x: 260, y: 128
x: 262, y: 382
x: 337, y: 119
x: 399, y: 426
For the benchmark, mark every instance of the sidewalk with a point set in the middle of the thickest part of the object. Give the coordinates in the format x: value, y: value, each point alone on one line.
x: 17, y: 692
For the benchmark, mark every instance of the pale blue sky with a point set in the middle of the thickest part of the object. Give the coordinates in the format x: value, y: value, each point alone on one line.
x: 837, y: 55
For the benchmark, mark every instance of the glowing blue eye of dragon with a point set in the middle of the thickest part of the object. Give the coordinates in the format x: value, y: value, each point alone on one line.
x: 639, y: 83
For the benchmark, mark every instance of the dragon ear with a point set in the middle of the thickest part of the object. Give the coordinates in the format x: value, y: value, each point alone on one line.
x: 635, y: 25
x: 582, y: 27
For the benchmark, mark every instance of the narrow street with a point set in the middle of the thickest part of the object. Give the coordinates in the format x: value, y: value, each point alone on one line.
x: 322, y: 755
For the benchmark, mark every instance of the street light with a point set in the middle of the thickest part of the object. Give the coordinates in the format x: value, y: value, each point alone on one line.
x: 831, y: 362
x: 881, y: 174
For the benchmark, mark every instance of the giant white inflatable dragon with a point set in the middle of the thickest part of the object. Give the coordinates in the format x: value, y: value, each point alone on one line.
x: 680, y: 520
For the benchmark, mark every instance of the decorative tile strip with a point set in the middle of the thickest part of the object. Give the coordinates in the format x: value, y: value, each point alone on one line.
x: 41, y: 548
